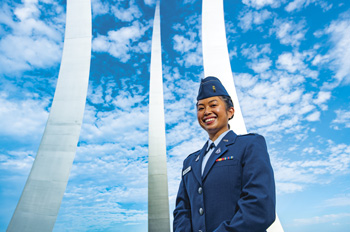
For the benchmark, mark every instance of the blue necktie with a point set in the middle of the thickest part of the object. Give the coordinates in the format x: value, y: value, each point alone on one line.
x: 212, y: 145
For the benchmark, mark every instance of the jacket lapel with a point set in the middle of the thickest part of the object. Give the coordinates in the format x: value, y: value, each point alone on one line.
x: 197, y: 163
x: 229, y: 139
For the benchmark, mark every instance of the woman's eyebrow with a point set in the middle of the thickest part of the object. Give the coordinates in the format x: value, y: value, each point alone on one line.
x: 212, y: 101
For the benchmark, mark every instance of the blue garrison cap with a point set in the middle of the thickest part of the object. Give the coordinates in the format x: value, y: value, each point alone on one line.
x: 210, y: 87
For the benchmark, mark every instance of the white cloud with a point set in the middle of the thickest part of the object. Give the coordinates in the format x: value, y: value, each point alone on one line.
x: 245, y: 80
x: 22, y: 119
x: 299, y: 4
x: 283, y: 188
x: 329, y: 218
x: 188, y: 42
x: 117, y: 125
x: 339, y: 30
x: 341, y: 200
x: 289, y: 32
x: 20, y: 53
x: 123, y: 42
x: 30, y: 42
x: 99, y: 7
x: 126, y: 14
x: 294, y: 63
x: 183, y: 45
x: 150, y: 2
x: 254, y: 51
x: 290, y: 62
x: 258, y: 54
x: 297, y: 175
x: 315, y: 116
x: 342, y: 119
x: 247, y: 19
x: 275, y: 101
x: 99, y: 214
x: 262, y: 3
x: 17, y: 161
x: 261, y: 65
x: 322, y: 98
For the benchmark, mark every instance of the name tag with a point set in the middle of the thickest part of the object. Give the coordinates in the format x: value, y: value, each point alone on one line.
x: 187, y: 170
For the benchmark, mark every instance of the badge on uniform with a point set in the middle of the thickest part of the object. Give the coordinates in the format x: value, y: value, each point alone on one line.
x: 218, y: 151
x: 197, y: 158
x: 187, y: 170
x: 224, y: 158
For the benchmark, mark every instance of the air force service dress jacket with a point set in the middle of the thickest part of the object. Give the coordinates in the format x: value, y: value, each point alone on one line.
x: 236, y: 192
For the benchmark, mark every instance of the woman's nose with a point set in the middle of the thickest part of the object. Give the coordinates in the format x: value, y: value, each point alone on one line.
x: 207, y: 111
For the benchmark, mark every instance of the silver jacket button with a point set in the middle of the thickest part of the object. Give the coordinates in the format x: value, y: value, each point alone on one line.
x: 200, y: 190
x: 201, y: 211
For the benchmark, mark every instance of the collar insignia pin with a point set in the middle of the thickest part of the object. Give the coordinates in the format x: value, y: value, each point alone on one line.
x: 197, y: 158
x: 218, y: 151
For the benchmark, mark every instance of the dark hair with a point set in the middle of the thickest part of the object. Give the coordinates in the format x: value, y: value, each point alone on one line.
x: 228, y: 103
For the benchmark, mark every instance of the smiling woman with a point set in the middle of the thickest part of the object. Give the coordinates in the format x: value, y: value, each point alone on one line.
x: 229, y: 184
x: 213, y: 114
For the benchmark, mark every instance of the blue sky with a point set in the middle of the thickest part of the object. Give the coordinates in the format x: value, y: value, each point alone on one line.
x: 291, y: 66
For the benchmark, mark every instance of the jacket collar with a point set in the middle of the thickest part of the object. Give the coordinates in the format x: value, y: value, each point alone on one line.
x: 219, y: 150
x: 229, y: 139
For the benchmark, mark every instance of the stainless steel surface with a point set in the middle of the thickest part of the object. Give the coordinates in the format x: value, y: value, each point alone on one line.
x: 217, y: 63
x: 158, y: 200
x: 40, y: 201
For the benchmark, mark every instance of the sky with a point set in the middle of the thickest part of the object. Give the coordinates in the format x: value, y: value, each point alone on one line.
x: 290, y: 62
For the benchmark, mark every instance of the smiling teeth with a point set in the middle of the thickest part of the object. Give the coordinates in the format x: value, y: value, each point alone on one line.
x: 209, y: 119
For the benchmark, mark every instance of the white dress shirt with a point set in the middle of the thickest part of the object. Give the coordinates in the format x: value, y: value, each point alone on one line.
x: 210, y: 150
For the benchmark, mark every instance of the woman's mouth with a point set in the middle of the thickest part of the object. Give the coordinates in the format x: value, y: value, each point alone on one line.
x: 209, y: 120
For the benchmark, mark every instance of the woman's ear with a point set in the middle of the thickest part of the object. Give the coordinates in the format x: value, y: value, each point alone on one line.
x: 231, y: 113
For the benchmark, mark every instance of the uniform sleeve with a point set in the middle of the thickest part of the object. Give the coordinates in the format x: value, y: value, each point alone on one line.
x: 182, y: 212
x: 255, y: 210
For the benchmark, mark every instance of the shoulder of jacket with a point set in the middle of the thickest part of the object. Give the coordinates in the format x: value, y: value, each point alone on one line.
x: 250, y: 136
x: 191, y: 156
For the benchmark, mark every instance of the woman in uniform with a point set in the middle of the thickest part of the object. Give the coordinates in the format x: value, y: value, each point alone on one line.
x: 228, y: 185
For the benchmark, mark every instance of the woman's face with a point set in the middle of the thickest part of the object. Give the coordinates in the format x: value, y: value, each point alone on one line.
x: 213, y: 116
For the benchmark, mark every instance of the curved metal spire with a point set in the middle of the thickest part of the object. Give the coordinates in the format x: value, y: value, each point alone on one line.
x: 41, y: 198
x: 217, y: 63
x: 158, y: 200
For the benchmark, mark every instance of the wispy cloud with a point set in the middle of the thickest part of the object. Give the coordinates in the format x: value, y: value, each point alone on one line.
x: 186, y: 41
x: 299, y: 4
x: 341, y: 200
x: 288, y: 31
x: 329, y: 218
x: 128, y: 14
x: 19, y: 162
x: 262, y: 3
x: 260, y: 62
x: 124, y: 42
x: 342, y: 119
x: 29, y: 42
x: 294, y: 176
x: 22, y: 120
x: 250, y: 18
x: 282, y: 98
x: 339, y: 55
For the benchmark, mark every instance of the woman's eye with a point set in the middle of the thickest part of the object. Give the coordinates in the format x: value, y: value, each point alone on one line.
x: 201, y: 108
